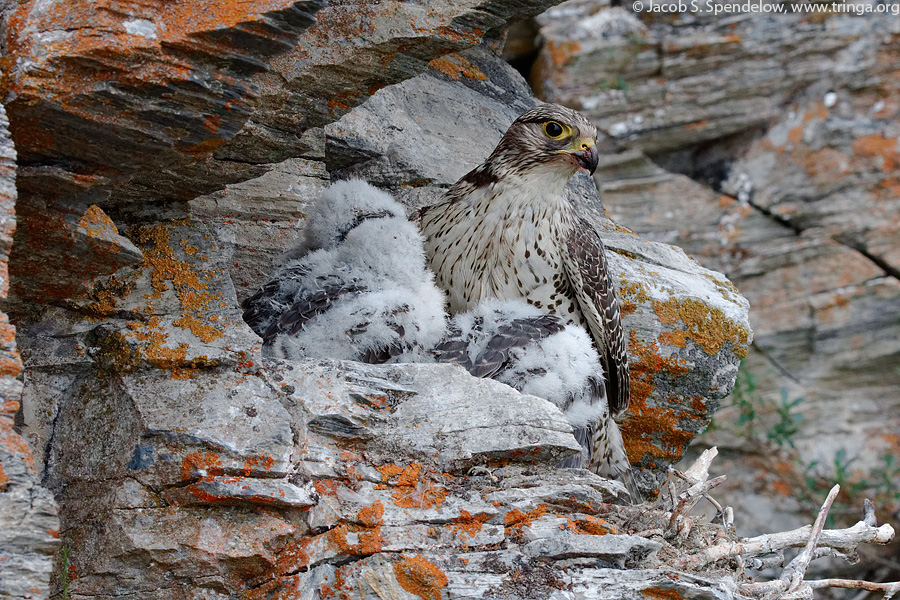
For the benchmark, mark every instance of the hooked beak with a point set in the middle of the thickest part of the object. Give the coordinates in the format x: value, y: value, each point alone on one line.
x: 587, y: 155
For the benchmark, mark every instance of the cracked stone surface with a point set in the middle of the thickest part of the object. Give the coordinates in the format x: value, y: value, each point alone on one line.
x: 167, y: 154
x: 29, y: 526
x: 773, y: 158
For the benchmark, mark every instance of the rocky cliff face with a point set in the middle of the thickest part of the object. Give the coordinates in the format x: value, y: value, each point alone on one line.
x: 767, y: 148
x: 166, y: 156
x: 29, y: 526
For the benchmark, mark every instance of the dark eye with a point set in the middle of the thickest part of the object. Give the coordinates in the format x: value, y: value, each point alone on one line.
x: 553, y: 129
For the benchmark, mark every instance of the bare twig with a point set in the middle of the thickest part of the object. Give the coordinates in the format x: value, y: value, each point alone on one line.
x: 767, y: 562
x: 842, y: 540
x: 869, y: 513
x: 728, y: 517
x: 793, y: 574
x: 689, y: 498
x: 889, y: 589
x: 699, y: 471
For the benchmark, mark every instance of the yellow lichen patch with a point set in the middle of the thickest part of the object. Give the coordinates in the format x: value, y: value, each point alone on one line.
x: 155, y: 350
x: 96, y: 223
x: 187, y: 281
x: 631, y: 294
x: 206, y: 332
x: 152, y: 349
x: 106, y: 294
x: 165, y: 267
x: 634, y: 290
x: 419, y: 576
x: 725, y: 287
x: 708, y: 327
x: 455, y: 66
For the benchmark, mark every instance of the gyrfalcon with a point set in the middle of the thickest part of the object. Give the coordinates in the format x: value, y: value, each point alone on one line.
x: 506, y: 230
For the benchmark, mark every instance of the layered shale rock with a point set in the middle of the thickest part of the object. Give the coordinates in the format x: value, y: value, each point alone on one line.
x: 167, y: 156
x: 29, y: 525
x: 773, y: 157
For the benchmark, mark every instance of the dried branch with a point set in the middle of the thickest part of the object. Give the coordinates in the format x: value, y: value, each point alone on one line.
x: 793, y: 574
x: 843, y: 540
x: 689, y: 498
x: 699, y: 485
x: 889, y: 589
x: 699, y: 471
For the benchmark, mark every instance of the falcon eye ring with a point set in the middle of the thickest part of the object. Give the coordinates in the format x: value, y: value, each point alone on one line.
x: 554, y: 130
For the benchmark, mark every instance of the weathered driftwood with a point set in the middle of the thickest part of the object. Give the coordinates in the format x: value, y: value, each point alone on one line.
x: 766, y: 551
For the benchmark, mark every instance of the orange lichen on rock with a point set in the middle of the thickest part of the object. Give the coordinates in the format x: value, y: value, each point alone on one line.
x: 100, y: 34
x: 412, y: 488
x: 660, y: 593
x: 514, y: 520
x: 588, y: 525
x: 208, y: 463
x: 652, y: 431
x: 707, y: 326
x: 372, y: 516
x: 419, y: 576
x: 455, y: 66
x: 468, y: 525
x: 295, y: 555
x: 353, y: 540
x: 561, y: 51
x: 253, y: 463
x: 886, y: 148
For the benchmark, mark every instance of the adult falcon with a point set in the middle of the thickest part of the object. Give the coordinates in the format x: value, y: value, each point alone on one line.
x: 506, y: 230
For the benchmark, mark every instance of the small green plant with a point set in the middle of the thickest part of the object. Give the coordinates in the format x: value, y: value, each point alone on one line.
x: 772, y: 426
x: 746, y: 402
x: 787, y: 421
x: 881, y: 485
x: 619, y: 84
x: 887, y: 480
x: 64, y: 573
x: 761, y: 420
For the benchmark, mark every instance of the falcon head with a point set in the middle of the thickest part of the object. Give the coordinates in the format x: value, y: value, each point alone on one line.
x: 547, y: 138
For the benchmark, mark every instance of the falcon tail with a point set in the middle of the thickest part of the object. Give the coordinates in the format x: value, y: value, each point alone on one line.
x: 609, y: 459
